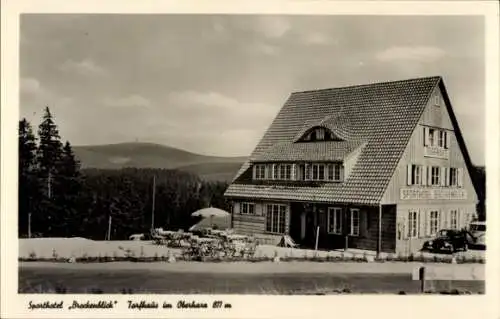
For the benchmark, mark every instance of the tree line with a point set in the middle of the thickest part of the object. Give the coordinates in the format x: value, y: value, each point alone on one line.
x: 58, y: 199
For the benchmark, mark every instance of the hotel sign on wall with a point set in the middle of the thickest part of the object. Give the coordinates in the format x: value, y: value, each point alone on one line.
x: 438, y: 152
x: 432, y: 193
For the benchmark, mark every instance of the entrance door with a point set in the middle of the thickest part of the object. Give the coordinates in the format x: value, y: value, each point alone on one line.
x: 310, y: 228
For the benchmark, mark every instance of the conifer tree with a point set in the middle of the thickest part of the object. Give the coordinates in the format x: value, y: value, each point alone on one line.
x: 49, y: 156
x: 67, y: 187
x: 27, y: 186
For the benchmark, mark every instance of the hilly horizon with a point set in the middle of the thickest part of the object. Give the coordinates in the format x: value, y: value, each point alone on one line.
x: 151, y: 155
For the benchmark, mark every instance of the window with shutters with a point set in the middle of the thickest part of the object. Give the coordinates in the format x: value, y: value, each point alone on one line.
x: 415, y: 175
x: 413, y: 224
x: 435, y: 137
x: 441, y: 138
x: 434, y: 221
x: 335, y: 220
x: 276, y: 218
x: 454, y: 219
x: 354, y: 222
x: 435, y: 176
x: 431, y: 136
x: 453, y: 176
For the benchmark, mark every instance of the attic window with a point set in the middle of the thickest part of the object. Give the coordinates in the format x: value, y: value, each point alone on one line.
x: 319, y: 134
x: 437, y: 101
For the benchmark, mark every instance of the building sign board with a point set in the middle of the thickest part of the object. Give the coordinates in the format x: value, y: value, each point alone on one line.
x: 437, y: 152
x: 433, y: 193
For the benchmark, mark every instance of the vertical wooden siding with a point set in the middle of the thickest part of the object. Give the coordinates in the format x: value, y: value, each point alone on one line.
x: 438, y: 117
x: 414, y: 154
x: 369, y: 238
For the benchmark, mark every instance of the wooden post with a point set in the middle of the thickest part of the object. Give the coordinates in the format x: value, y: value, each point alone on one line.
x: 109, y: 229
x: 379, y: 247
x: 29, y: 225
x: 317, y: 235
x: 346, y: 228
x: 153, y: 205
x: 421, y: 275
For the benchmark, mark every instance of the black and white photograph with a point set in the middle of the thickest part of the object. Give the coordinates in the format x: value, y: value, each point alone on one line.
x: 249, y: 154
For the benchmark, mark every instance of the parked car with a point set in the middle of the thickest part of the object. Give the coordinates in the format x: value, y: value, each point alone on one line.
x: 477, y: 231
x: 447, y: 240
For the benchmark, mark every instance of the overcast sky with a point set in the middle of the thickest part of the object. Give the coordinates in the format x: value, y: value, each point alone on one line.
x: 212, y: 84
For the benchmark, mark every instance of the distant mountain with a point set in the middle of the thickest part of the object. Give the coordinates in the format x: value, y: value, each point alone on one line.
x: 149, y: 155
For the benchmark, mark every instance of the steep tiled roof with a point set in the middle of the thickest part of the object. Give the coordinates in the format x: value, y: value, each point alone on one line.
x: 314, y: 151
x: 382, y: 114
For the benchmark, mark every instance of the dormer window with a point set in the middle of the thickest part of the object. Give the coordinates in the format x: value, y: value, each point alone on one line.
x: 320, y: 172
x: 319, y: 134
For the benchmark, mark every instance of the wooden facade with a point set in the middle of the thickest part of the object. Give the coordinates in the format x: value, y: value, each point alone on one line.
x: 436, y: 115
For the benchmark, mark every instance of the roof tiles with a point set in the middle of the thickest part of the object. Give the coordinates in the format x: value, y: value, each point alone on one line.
x: 383, y: 115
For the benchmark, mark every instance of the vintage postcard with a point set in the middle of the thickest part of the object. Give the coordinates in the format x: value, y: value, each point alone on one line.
x: 249, y: 160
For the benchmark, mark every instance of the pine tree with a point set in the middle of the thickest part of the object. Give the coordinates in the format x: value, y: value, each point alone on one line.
x: 49, y: 156
x: 50, y: 147
x: 28, y: 188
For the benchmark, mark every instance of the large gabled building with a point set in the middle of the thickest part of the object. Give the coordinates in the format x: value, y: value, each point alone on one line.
x: 379, y: 167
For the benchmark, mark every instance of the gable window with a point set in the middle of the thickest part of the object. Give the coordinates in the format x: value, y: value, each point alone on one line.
x: 436, y: 138
x: 453, y: 176
x: 454, y: 219
x: 354, y: 222
x: 247, y: 208
x: 275, y: 218
x: 431, y: 137
x: 413, y: 224
x: 437, y: 101
x: 434, y: 222
x: 441, y: 138
x: 335, y: 220
x: 435, y: 176
x: 260, y: 171
x: 415, y: 174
